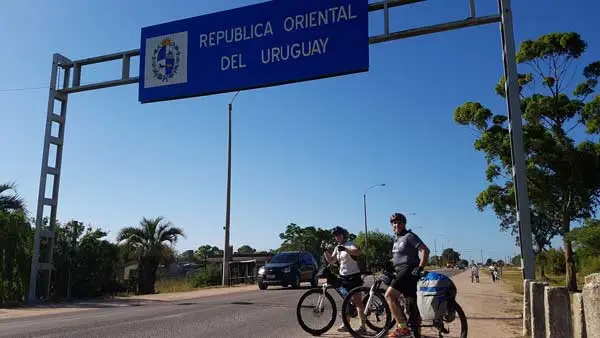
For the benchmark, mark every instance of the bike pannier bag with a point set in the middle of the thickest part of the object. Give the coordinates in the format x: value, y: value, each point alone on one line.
x: 433, y: 292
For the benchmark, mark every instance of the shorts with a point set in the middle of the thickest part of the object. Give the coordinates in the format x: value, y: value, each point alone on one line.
x: 404, y: 281
x: 351, y: 281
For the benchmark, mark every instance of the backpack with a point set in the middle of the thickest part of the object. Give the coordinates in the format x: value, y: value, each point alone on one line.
x: 434, y: 291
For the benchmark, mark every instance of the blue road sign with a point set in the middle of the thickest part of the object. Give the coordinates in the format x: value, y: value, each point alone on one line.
x: 261, y: 45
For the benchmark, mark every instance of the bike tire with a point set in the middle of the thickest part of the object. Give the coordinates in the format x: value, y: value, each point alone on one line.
x: 320, y: 331
x: 464, y: 326
x: 379, y: 294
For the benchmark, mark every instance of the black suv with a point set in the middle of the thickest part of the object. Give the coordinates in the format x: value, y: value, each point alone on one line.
x: 289, y: 268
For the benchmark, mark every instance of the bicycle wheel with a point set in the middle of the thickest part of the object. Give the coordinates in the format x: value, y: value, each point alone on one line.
x: 376, y: 325
x: 464, y: 327
x: 311, y: 310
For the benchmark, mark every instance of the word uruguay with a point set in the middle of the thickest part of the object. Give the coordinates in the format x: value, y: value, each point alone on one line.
x: 278, y: 53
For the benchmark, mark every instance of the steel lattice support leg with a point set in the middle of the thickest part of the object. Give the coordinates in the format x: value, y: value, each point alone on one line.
x: 49, y: 232
x: 516, y: 138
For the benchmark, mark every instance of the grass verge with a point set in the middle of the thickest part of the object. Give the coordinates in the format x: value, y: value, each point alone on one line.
x: 173, y: 285
x: 513, y: 279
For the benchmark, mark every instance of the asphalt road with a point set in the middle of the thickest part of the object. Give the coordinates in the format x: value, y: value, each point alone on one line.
x: 270, y: 313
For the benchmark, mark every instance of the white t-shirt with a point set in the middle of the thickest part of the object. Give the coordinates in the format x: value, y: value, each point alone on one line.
x: 348, y: 266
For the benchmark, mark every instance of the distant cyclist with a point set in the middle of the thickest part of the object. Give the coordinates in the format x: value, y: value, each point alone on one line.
x: 346, y: 254
x: 408, y: 267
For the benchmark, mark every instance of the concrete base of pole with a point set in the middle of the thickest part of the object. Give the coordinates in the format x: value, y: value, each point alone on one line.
x: 591, y: 305
x: 578, y: 316
x: 526, y: 308
x: 558, y: 320
x: 537, y: 314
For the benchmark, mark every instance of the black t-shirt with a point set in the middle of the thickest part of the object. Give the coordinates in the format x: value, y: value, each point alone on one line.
x: 406, y: 249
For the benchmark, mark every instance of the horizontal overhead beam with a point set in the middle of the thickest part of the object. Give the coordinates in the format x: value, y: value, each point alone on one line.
x: 99, y: 85
x: 125, y: 56
x: 434, y: 29
x: 106, y: 58
x: 376, y: 6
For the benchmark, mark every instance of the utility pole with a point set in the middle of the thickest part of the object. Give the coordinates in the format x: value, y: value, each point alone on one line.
x: 366, y: 228
x: 437, y: 259
x: 226, y: 257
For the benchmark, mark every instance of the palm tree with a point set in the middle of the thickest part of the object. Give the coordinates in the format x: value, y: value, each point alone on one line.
x: 10, y: 202
x: 149, y: 241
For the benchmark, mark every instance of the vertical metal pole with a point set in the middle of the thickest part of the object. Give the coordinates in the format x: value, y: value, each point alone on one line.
x: 437, y: 259
x: 472, y: 8
x: 42, y: 188
x: 366, y: 230
x: 386, y: 18
x: 226, y: 257
x: 516, y: 139
x: 56, y: 182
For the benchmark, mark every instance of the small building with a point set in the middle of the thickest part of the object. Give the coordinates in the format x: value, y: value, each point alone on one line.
x: 243, y: 268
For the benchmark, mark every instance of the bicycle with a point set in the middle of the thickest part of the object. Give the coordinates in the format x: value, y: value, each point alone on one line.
x: 453, y: 310
x: 322, y: 292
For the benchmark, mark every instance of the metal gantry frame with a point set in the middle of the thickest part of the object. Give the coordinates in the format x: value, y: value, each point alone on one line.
x: 71, y: 83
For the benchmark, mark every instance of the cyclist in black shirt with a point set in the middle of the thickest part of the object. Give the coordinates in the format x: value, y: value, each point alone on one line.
x: 408, y: 267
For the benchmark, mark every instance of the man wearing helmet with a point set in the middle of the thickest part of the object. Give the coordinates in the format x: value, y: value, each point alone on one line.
x: 408, y: 267
x: 346, y: 254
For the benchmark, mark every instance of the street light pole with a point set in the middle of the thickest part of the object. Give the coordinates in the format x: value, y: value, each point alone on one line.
x: 226, y: 257
x: 365, y: 212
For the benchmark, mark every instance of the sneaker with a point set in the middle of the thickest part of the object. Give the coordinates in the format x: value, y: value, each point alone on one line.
x: 400, y: 333
x: 342, y: 328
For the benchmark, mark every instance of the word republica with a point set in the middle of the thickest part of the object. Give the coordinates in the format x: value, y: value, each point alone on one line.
x: 284, y: 52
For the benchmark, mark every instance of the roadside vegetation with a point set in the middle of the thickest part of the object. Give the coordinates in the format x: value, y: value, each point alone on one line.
x: 561, y: 124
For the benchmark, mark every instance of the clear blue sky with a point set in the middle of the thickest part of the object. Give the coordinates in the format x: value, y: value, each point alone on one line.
x: 302, y: 153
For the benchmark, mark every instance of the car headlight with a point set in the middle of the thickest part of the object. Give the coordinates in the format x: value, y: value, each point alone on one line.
x: 261, y: 271
x: 287, y: 270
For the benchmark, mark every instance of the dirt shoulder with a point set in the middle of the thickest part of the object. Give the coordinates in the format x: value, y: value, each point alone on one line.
x: 75, y: 306
x: 492, y: 310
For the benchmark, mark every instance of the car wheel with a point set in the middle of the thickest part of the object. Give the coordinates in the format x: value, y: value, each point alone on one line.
x: 262, y: 286
x: 296, y: 283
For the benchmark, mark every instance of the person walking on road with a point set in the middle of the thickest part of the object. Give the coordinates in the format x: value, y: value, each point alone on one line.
x: 494, y: 272
x: 474, y: 273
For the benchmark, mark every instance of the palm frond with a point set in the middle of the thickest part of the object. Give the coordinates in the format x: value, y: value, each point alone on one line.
x: 10, y: 202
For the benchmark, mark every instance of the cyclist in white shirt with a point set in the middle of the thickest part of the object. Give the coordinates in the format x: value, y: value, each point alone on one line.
x: 346, y: 254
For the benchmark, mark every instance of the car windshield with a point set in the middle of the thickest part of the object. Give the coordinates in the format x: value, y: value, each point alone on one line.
x: 285, y: 258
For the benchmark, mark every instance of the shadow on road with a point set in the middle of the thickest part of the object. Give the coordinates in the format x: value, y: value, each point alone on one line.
x: 93, y: 303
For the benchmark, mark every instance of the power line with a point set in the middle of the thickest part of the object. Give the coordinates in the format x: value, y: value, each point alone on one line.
x: 21, y: 89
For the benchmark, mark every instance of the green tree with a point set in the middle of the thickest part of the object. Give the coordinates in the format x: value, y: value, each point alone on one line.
x: 378, y: 251
x: 587, y: 246
x: 450, y: 256
x: 588, y: 236
x: 10, y: 200
x: 149, y: 241
x: 206, y: 251
x: 16, y: 243
x: 516, y: 260
x: 563, y: 176
x: 86, y: 262
x: 435, y: 260
x: 307, y: 239
x: 246, y: 249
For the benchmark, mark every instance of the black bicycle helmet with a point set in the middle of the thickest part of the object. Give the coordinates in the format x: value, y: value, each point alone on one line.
x: 339, y: 230
x: 398, y: 217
